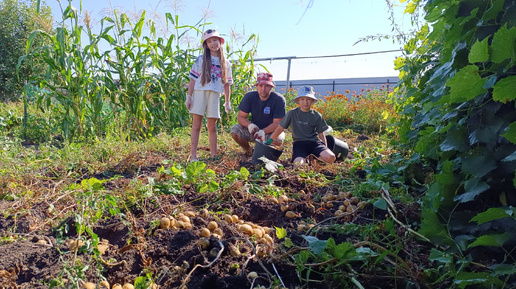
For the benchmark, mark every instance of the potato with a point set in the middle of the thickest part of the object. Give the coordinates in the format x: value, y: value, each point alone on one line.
x: 273, y: 200
x: 338, y: 213
x: 190, y: 214
x: 104, y: 283
x: 116, y: 286
x: 184, y: 219
x: 268, y: 230
x: 282, y: 199
x: 258, y: 233
x: 252, y: 275
x: 204, y: 232
x: 41, y: 241
x: 291, y: 214
x: 284, y: 208
x: 187, y: 225
x: 204, y: 243
x: 354, y: 200
x: 235, y: 218
x: 246, y: 229
x: 164, y: 223
x: 227, y: 218
x: 268, y: 238
x: 218, y: 231
x: 329, y: 204
x: 351, y: 208
x: 212, y: 225
x: 204, y: 213
x: 128, y: 286
x: 88, y: 285
x: 180, y: 224
x: 301, y: 227
x: 342, y: 208
x: 233, y: 250
x: 362, y: 204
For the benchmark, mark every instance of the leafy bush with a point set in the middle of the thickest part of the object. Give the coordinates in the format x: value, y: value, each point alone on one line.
x: 369, y: 111
x: 459, y: 117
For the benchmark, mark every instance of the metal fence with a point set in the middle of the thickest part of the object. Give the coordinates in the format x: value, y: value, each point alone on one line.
x: 325, y: 86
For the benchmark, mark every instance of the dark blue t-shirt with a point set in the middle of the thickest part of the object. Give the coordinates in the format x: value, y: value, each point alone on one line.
x: 263, y: 112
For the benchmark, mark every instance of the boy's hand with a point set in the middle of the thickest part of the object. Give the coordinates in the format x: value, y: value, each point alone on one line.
x: 253, y: 128
x: 260, y: 135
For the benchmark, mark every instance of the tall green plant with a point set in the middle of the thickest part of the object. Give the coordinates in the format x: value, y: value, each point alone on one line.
x: 123, y: 74
x: 459, y: 85
x: 18, y: 18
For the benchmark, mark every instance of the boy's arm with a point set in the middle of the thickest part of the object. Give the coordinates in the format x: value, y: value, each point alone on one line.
x: 275, y: 134
x: 322, y: 137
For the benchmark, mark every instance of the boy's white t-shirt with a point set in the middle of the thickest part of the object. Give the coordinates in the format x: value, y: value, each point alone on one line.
x: 215, y: 83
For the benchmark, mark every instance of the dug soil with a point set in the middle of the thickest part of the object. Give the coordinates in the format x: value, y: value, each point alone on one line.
x: 38, y: 251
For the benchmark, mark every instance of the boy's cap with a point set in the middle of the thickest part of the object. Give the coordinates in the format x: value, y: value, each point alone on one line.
x: 212, y: 33
x: 265, y: 78
x: 306, y: 91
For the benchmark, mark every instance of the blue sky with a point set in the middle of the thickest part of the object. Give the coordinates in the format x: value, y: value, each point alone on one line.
x: 287, y: 28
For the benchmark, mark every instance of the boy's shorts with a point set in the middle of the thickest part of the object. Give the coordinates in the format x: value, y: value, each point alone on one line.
x: 244, y: 133
x: 305, y: 148
x: 206, y: 101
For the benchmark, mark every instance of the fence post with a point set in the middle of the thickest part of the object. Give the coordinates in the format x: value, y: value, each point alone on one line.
x: 288, y: 74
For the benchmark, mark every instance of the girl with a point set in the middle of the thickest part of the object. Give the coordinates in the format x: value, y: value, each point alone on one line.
x: 210, y: 76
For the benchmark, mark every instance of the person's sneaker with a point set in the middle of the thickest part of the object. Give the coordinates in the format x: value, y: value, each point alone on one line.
x: 194, y: 160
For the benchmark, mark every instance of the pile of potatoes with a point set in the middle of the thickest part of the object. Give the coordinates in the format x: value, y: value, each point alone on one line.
x: 261, y: 234
x: 348, y: 204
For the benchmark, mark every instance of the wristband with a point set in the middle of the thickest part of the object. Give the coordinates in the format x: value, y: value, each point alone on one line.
x: 269, y: 141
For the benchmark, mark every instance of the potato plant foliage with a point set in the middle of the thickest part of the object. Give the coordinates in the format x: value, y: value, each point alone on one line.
x: 459, y: 88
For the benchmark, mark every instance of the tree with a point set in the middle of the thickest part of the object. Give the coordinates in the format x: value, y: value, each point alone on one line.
x: 18, y: 18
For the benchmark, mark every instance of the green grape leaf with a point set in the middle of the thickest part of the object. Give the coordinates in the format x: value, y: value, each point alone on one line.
x: 479, y: 51
x: 433, y: 229
x: 473, y: 188
x: 317, y: 246
x: 495, y: 240
x: 478, y: 165
x: 510, y: 133
x: 466, y: 84
x: 491, y: 214
x: 505, y: 89
x: 502, y: 47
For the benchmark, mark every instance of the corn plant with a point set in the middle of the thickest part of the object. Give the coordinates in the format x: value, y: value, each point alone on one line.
x: 139, y: 82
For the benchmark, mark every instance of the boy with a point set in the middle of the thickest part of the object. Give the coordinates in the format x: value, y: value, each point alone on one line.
x: 308, y: 128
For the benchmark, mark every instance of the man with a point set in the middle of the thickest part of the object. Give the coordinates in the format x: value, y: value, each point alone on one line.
x: 267, y: 109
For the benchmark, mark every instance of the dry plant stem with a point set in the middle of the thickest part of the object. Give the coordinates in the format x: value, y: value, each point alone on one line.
x: 123, y: 262
x: 187, y: 278
x: 277, y: 274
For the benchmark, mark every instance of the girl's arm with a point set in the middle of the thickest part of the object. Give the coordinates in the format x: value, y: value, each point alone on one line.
x: 227, y: 92
x: 191, y: 86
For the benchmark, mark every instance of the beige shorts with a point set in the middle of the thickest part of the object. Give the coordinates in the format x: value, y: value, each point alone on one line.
x: 206, y: 102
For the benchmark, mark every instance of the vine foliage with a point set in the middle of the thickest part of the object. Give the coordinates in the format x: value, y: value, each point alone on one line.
x: 458, y: 83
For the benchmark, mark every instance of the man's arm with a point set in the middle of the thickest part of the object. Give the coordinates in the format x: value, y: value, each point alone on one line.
x: 271, y: 127
x: 242, y: 119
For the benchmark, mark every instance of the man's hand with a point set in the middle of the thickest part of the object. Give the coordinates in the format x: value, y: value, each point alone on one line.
x: 260, y: 135
x: 188, y: 102
x: 227, y: 106
x: 253, y: 128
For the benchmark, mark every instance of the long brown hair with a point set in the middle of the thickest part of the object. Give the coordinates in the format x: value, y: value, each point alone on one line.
x: 206, y: 65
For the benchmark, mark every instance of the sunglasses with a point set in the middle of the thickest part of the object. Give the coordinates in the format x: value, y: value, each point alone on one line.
x: 210, y: 31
